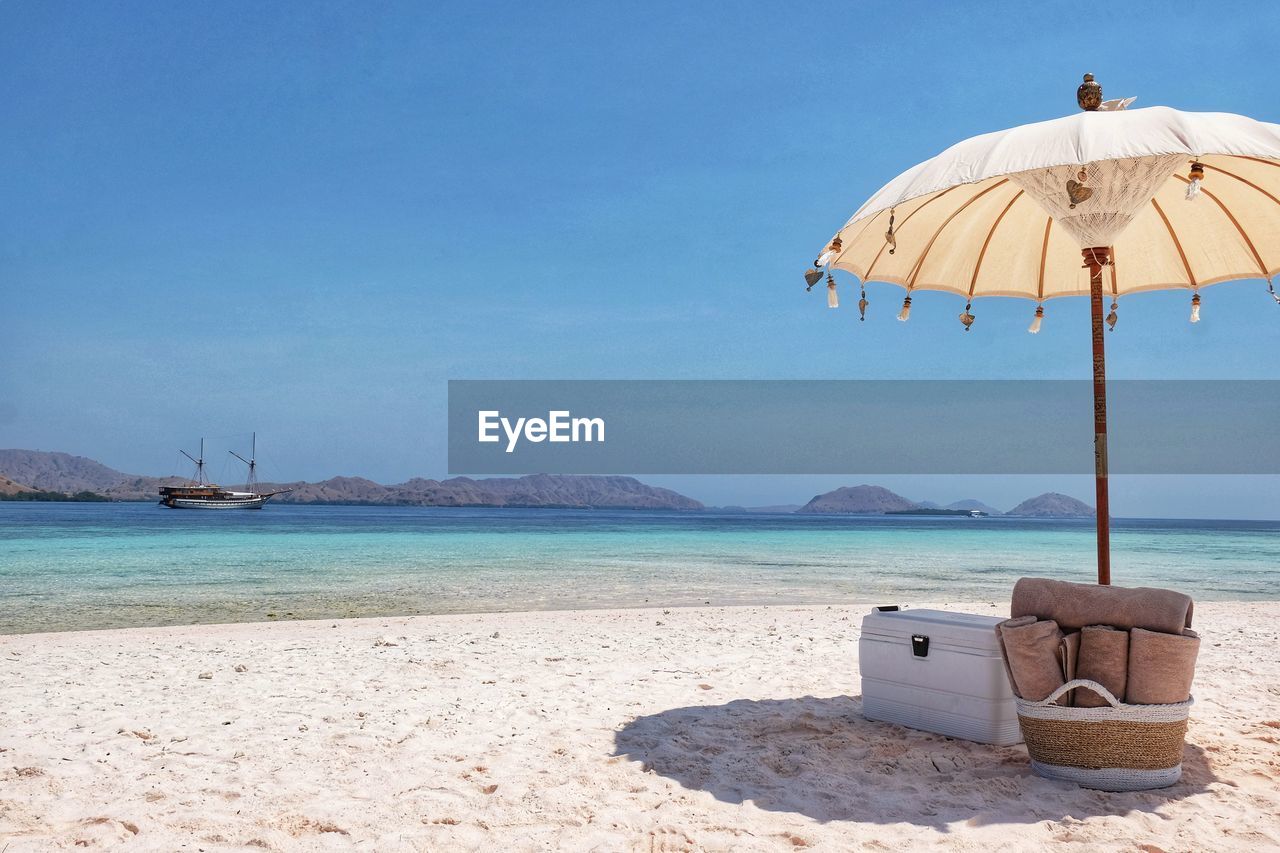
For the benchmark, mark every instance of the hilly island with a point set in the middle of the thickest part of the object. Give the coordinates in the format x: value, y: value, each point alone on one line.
x: 45, y: 475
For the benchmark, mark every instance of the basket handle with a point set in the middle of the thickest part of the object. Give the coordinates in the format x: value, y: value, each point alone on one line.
x: 1081, y: 682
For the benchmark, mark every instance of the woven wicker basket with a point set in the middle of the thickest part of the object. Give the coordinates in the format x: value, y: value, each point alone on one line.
x: 1113, y: 748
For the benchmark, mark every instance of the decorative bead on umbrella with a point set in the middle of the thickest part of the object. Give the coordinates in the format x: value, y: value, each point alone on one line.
x: 1147, y: 199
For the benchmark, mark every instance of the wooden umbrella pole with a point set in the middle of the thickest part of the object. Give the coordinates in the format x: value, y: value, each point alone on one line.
x: 1095, y: 259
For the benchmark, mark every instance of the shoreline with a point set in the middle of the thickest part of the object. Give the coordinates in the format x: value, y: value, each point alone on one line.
x: 334, y: 621
x: 652, y: 728
x: 975, y: 606
x: 978, y: 604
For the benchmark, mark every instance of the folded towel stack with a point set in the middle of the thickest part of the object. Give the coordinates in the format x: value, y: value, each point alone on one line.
x: 1137, y: 643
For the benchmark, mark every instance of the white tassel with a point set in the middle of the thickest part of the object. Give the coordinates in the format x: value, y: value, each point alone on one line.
x: 833, y: 298
x: 1193, y: 189
x: 1195, y: 308
x: 1034, y: 328
x: 905, y: 314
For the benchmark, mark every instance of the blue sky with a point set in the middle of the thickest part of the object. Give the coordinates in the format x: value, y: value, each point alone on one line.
x: 304, y: 218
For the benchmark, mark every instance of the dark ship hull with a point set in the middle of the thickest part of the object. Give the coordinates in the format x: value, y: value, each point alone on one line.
x: 185, y: 497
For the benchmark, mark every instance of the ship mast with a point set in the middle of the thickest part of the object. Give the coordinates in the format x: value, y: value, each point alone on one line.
x: 199, y: 463
x: 251, y: 483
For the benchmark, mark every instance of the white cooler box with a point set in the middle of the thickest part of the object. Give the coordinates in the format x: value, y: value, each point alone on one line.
x: 938, y: 671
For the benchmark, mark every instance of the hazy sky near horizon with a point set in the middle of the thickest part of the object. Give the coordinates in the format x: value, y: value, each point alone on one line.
x: 304, y: 218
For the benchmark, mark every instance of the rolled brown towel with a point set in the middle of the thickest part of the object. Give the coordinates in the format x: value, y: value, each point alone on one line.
x: 1032, y: 653
x: 1074, y: 605
x: 1161, y: 667
x: 1010, y: 623
x: 1070, y: 656
x: 1104, y: 658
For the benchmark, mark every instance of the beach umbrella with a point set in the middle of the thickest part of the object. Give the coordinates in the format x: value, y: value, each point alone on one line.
x: 1103, y: 203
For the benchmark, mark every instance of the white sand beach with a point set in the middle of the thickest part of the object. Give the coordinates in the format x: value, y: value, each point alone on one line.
x: 690, y: 729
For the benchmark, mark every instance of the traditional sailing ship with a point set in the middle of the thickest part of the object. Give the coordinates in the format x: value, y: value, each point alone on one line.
x: 202, y: 494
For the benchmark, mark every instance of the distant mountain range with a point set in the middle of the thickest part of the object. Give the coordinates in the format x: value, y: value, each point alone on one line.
x: 966, y: 504
x: 536, y: 490
x: 34, y: 470
x: 772, y: 508
x: 29, y: 471
x: 877, y: 500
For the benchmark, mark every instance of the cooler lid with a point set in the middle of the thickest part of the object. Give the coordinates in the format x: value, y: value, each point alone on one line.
x: 970, y: 630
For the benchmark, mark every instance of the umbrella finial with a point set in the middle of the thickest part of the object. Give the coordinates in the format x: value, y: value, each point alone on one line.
x: 1034, y: 328
x: 1193, y: 180
x: 829, y: 254
x: 1089, y: 95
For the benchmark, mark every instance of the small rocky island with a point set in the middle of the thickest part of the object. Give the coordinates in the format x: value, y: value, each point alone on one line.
x: 877, y: 500
x: 1053, y: 505
x: 858, y: 500
x: 930, y: 510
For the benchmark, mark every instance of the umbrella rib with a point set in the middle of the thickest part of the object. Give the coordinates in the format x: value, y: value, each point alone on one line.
x: 973, y: 282
x: 1044, y: 257
x: 866, y: 223
x: 911, y: 280
x: 1244, y: 181
x: 1177, y: 244
x: 905, y: 220
x: 1257, y: 257
x: 1260, y: 160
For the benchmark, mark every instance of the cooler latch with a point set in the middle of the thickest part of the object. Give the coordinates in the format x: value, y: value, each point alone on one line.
x: 920, y: 645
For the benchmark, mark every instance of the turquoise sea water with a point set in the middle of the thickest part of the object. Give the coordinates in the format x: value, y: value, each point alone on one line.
x: 73, y: 566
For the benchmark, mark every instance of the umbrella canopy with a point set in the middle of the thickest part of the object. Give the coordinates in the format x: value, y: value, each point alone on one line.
x: 1148, y: 199
x: 1007, y: 213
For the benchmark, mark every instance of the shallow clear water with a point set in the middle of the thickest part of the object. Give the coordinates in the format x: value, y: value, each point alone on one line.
x: 73, y: 566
